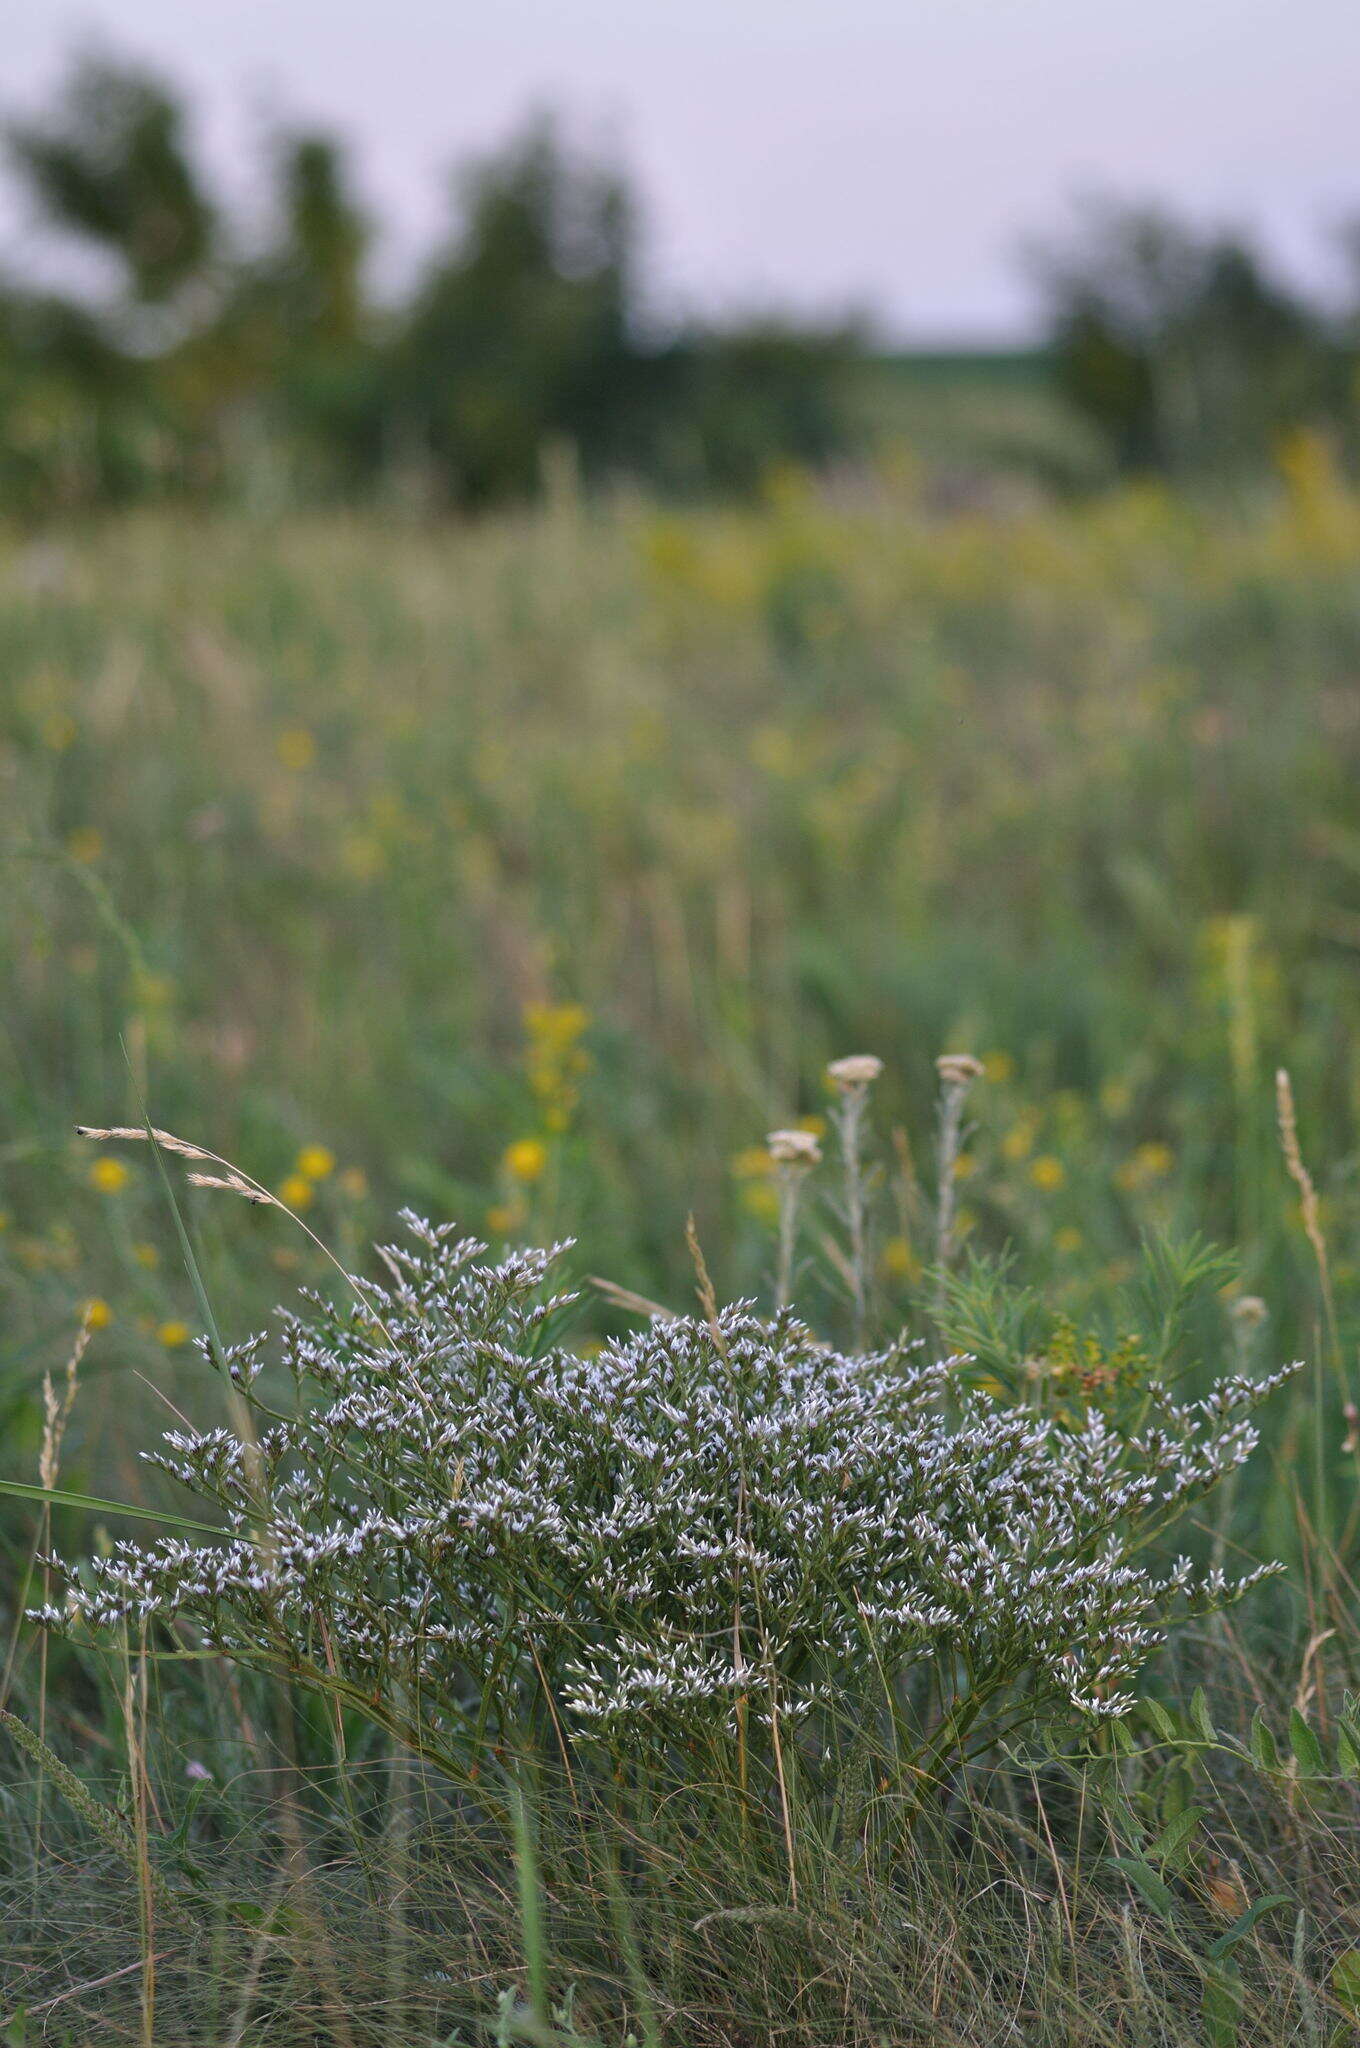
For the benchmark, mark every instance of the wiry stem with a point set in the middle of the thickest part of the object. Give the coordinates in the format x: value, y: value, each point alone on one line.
x: 957, y: 1071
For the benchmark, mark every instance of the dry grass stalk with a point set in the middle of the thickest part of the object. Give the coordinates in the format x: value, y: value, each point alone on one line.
x: 957, y: 1072
x: 136, y: 1133
x: 231, y: 1179
x: 1308, y: 1206
x: 633, y: 1304
x: 233, y: 1184
x: 57, y: 1407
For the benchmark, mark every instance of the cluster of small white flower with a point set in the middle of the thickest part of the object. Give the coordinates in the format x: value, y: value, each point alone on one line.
x: 705, y: 1514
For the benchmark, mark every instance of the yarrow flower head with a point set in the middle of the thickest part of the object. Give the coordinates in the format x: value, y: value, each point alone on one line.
x: 959, y: 1069
x: 794, y: 1148
x: 856, y: 1070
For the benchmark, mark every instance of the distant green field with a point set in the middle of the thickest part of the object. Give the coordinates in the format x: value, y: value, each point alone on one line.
x: 994, y: 412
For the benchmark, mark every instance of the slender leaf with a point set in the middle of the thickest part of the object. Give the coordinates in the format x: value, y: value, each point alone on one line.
x: 1162, y: 1722
x: 64, y: 1497
x: 1265, y: 1753
x: 1222, y: 2007
x: 1145, y: 1880
x: 1242, y: 1926
x: 1345, y: 1980
x: 1172, y: 1841
x: 1305, y: 1745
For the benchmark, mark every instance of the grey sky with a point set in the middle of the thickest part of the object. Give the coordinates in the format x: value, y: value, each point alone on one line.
x: 887, y: 155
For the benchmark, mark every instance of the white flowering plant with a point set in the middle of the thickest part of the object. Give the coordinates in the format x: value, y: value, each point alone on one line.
x: 719, y: 1529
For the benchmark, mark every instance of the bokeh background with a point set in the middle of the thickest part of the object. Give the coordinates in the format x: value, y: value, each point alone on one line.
x: 560, y: 569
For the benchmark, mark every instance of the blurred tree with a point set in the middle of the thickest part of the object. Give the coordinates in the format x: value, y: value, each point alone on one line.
x: 1180, y: 347
x: 324, y: 240
x: 518, y: 335
x: 208, y: 364
x: 110, y: 166
x: 747, y: 397
x: 295, y: 337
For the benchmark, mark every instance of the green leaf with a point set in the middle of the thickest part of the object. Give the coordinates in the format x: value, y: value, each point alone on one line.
x: 278, y: 1919
x: 1241, y: 1927
x: 1174, y: 1836
x: 1345, y: 1980
x: 1347, y: 1755
x: 1199, y: 1714
x: 1305, y: 1745
x: 1145, y: 1880
x: 1162, y: 1722
x: 1264, y: 1752
x: 1222, y: 2007
x: 63, y: 1497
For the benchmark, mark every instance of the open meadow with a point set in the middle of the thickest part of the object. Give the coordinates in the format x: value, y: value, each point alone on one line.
x: 527, y: 873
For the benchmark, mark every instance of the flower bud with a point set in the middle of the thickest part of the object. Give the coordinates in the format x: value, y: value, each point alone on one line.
x: 958, y: 1069
x: 793, y: 1148
x: 856, y: 1070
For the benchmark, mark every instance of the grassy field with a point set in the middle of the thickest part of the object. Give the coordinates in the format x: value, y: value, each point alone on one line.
x: 528, y: 874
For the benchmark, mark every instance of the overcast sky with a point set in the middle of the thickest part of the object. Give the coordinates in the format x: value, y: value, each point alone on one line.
x: 889, y: 154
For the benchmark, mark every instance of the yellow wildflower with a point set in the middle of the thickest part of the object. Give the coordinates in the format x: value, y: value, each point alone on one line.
x: 296, y: 1191
x: 1048, y: 1173
x: 1068, y: 1239
x: 172, y: 1335
x: 965, y: 1166
x: 526, y: 1159
x: 59, y: 731
x: 109, y: 1176
x: 1116, y: 1097
x: 314, y: 1162
x: 555, y: 1024
x: 999, y: 1066
x: 353, y: 1183
x: 98, y: 1314
x: 152, y: 991
x: 146, y: 1255
x: 502, y: 1218
x: 1152, y: 1161
x: 1018, y: 1141
x: 899, y: 1261
x: 296, y: 748
x: 759, y: 1199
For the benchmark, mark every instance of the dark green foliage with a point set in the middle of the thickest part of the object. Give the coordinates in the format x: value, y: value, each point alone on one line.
x: 112, y: 166
x: 1182, y: 348
x: 519, y: 332
x: 213, y: 366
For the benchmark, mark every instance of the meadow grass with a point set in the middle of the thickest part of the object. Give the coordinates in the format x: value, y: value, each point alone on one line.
x: 530, y: 873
